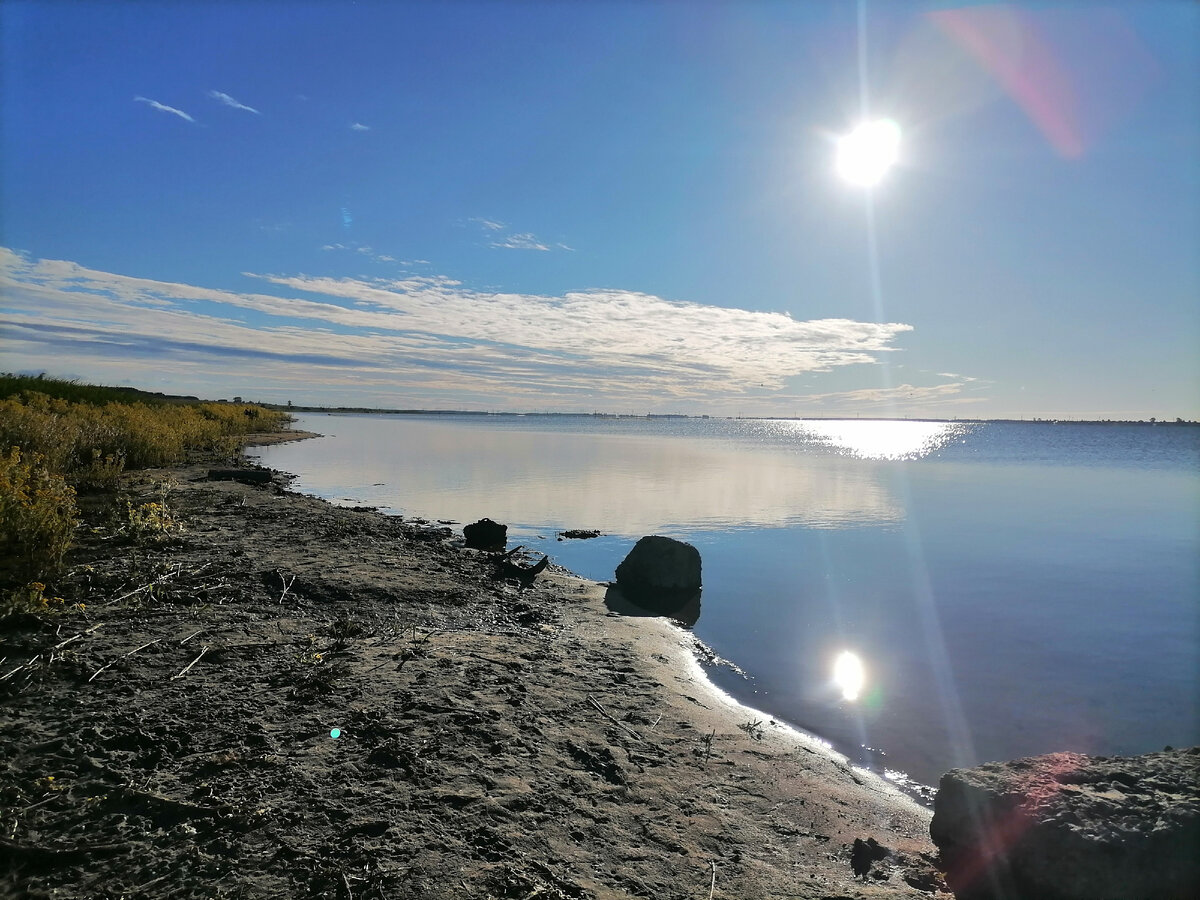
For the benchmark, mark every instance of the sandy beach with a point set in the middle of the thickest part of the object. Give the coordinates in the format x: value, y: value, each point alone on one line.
x: 175, y: 737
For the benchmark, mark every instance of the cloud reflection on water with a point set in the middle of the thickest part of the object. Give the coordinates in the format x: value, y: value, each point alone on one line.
x: 620, y: 484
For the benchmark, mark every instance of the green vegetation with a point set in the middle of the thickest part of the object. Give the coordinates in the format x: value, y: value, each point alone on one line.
x: 60, y: 437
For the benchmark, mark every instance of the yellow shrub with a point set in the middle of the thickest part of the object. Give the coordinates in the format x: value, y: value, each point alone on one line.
x: 37, y: 517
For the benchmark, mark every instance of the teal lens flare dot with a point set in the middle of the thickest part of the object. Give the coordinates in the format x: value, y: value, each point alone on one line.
x: 336, y: 733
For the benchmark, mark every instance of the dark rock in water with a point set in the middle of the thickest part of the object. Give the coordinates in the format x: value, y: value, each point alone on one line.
x: 1072, y: 827
x: 486, y: 535
x: 578, y: 534
x: 659, y: 566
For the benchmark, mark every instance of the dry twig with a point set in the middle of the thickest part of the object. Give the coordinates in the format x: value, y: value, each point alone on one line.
x: 604, y: 712
x: 192, y: 663
x: 119, y: 658
x: 287, y: 585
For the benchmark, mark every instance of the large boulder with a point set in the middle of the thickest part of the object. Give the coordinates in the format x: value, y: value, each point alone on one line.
x: 1072, y: 827
x: 660, y: 567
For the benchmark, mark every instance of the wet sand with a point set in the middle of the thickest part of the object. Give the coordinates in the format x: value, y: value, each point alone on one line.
x: 173, y: 739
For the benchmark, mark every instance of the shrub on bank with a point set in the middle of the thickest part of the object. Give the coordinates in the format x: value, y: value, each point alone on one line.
x: 78, y: 437
x: 37, y: 516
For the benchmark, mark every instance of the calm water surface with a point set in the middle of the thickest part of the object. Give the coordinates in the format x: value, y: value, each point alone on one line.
x: 1010, y: 589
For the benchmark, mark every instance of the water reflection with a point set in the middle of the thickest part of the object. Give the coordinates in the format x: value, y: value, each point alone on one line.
x: 684, y: 610
x: 849, y: 675
x: 881, y: 440
x: 620, y: 484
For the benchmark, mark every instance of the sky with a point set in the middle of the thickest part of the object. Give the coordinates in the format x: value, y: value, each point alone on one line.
x: 623, y: 207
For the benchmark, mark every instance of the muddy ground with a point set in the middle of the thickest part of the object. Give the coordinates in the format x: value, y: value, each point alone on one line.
x: 173, y: 738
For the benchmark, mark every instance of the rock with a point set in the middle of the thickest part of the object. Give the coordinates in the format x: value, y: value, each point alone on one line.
x: 246, y: 476
x: 1072, y: 827
x: 578, y: 534
x: 660, y: 566
x: 486, y: 535
x: 864, y: 853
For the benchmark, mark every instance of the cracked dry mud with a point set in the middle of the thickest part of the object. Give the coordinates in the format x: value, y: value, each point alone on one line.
x: 495, y: 742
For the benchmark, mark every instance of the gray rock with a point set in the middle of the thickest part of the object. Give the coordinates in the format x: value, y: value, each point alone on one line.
x: 1072, y: 827
x: 660, y: 566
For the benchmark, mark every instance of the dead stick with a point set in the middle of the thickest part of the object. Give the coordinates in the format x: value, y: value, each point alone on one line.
x: 62, y: 644
x: 287, y: 585
x: 192, y: 663
x: 592, y: 700
x: 119, y: 658
x: 9, y: 675
x: 713, y: 886
x: 190, y: 636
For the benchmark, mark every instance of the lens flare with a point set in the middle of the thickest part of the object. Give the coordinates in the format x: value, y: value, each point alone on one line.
x: 849, y: 675
x: 866, y: 154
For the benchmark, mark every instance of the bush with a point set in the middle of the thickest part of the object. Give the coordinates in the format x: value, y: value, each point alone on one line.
x: 37, y: 517
x: 65, y: 436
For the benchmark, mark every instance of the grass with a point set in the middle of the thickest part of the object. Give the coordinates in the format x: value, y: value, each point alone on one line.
x: 59, y: 438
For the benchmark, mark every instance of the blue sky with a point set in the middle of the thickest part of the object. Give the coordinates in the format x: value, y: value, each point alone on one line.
x: 613, y: 206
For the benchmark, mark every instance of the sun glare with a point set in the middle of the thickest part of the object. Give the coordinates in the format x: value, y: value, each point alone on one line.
x: 866, y: 154
x: 849, y: 675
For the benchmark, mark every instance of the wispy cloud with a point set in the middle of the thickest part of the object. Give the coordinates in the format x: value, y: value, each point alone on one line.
x: 229, y: 101
x: 523, y: 241
x: 359, y: 126
x: 366, y: 251
x: 162, y: 107
x: 431, y: 338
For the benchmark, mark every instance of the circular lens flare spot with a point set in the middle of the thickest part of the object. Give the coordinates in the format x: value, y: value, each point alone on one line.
x: 865, y: 154
x: 335, y: 733
x: 849, y: 674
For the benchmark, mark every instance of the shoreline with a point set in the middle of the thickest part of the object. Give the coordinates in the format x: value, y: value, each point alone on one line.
x: 492, y: 742
x: 697, y: 651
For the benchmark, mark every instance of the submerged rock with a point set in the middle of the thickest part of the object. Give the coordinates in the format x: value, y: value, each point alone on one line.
x: 1072, y: 827
x: 660, y: 566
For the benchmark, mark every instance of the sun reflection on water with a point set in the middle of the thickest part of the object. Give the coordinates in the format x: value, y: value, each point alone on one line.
x: 849, y: 675
x: 875, y: 439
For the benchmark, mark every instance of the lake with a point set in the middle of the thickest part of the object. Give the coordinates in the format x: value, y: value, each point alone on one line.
x: 1005, y: 589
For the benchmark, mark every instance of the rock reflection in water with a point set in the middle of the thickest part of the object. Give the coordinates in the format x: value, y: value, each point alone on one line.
x: 684, y: 609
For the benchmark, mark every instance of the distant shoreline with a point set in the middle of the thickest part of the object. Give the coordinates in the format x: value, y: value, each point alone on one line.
x: 364, y: 410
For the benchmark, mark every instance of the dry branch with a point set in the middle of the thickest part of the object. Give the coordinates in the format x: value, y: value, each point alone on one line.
x: 188, y: 668
x: 119, y: 658
x: 604, y: 712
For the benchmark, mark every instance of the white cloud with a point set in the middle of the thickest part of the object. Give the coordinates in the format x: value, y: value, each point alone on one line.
x: 164, y: 108
x: 229, y: 101
x: 359, y: 126
x: 489, y: 224
x: 432, y: 338
x: 905, y: 394
x: 523, y: 241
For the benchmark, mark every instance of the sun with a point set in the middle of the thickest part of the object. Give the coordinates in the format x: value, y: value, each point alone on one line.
x: 865, y: 154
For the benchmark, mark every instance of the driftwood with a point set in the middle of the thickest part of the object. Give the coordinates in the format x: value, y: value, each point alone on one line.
x: 507, y: 568
x: 246, y: 476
